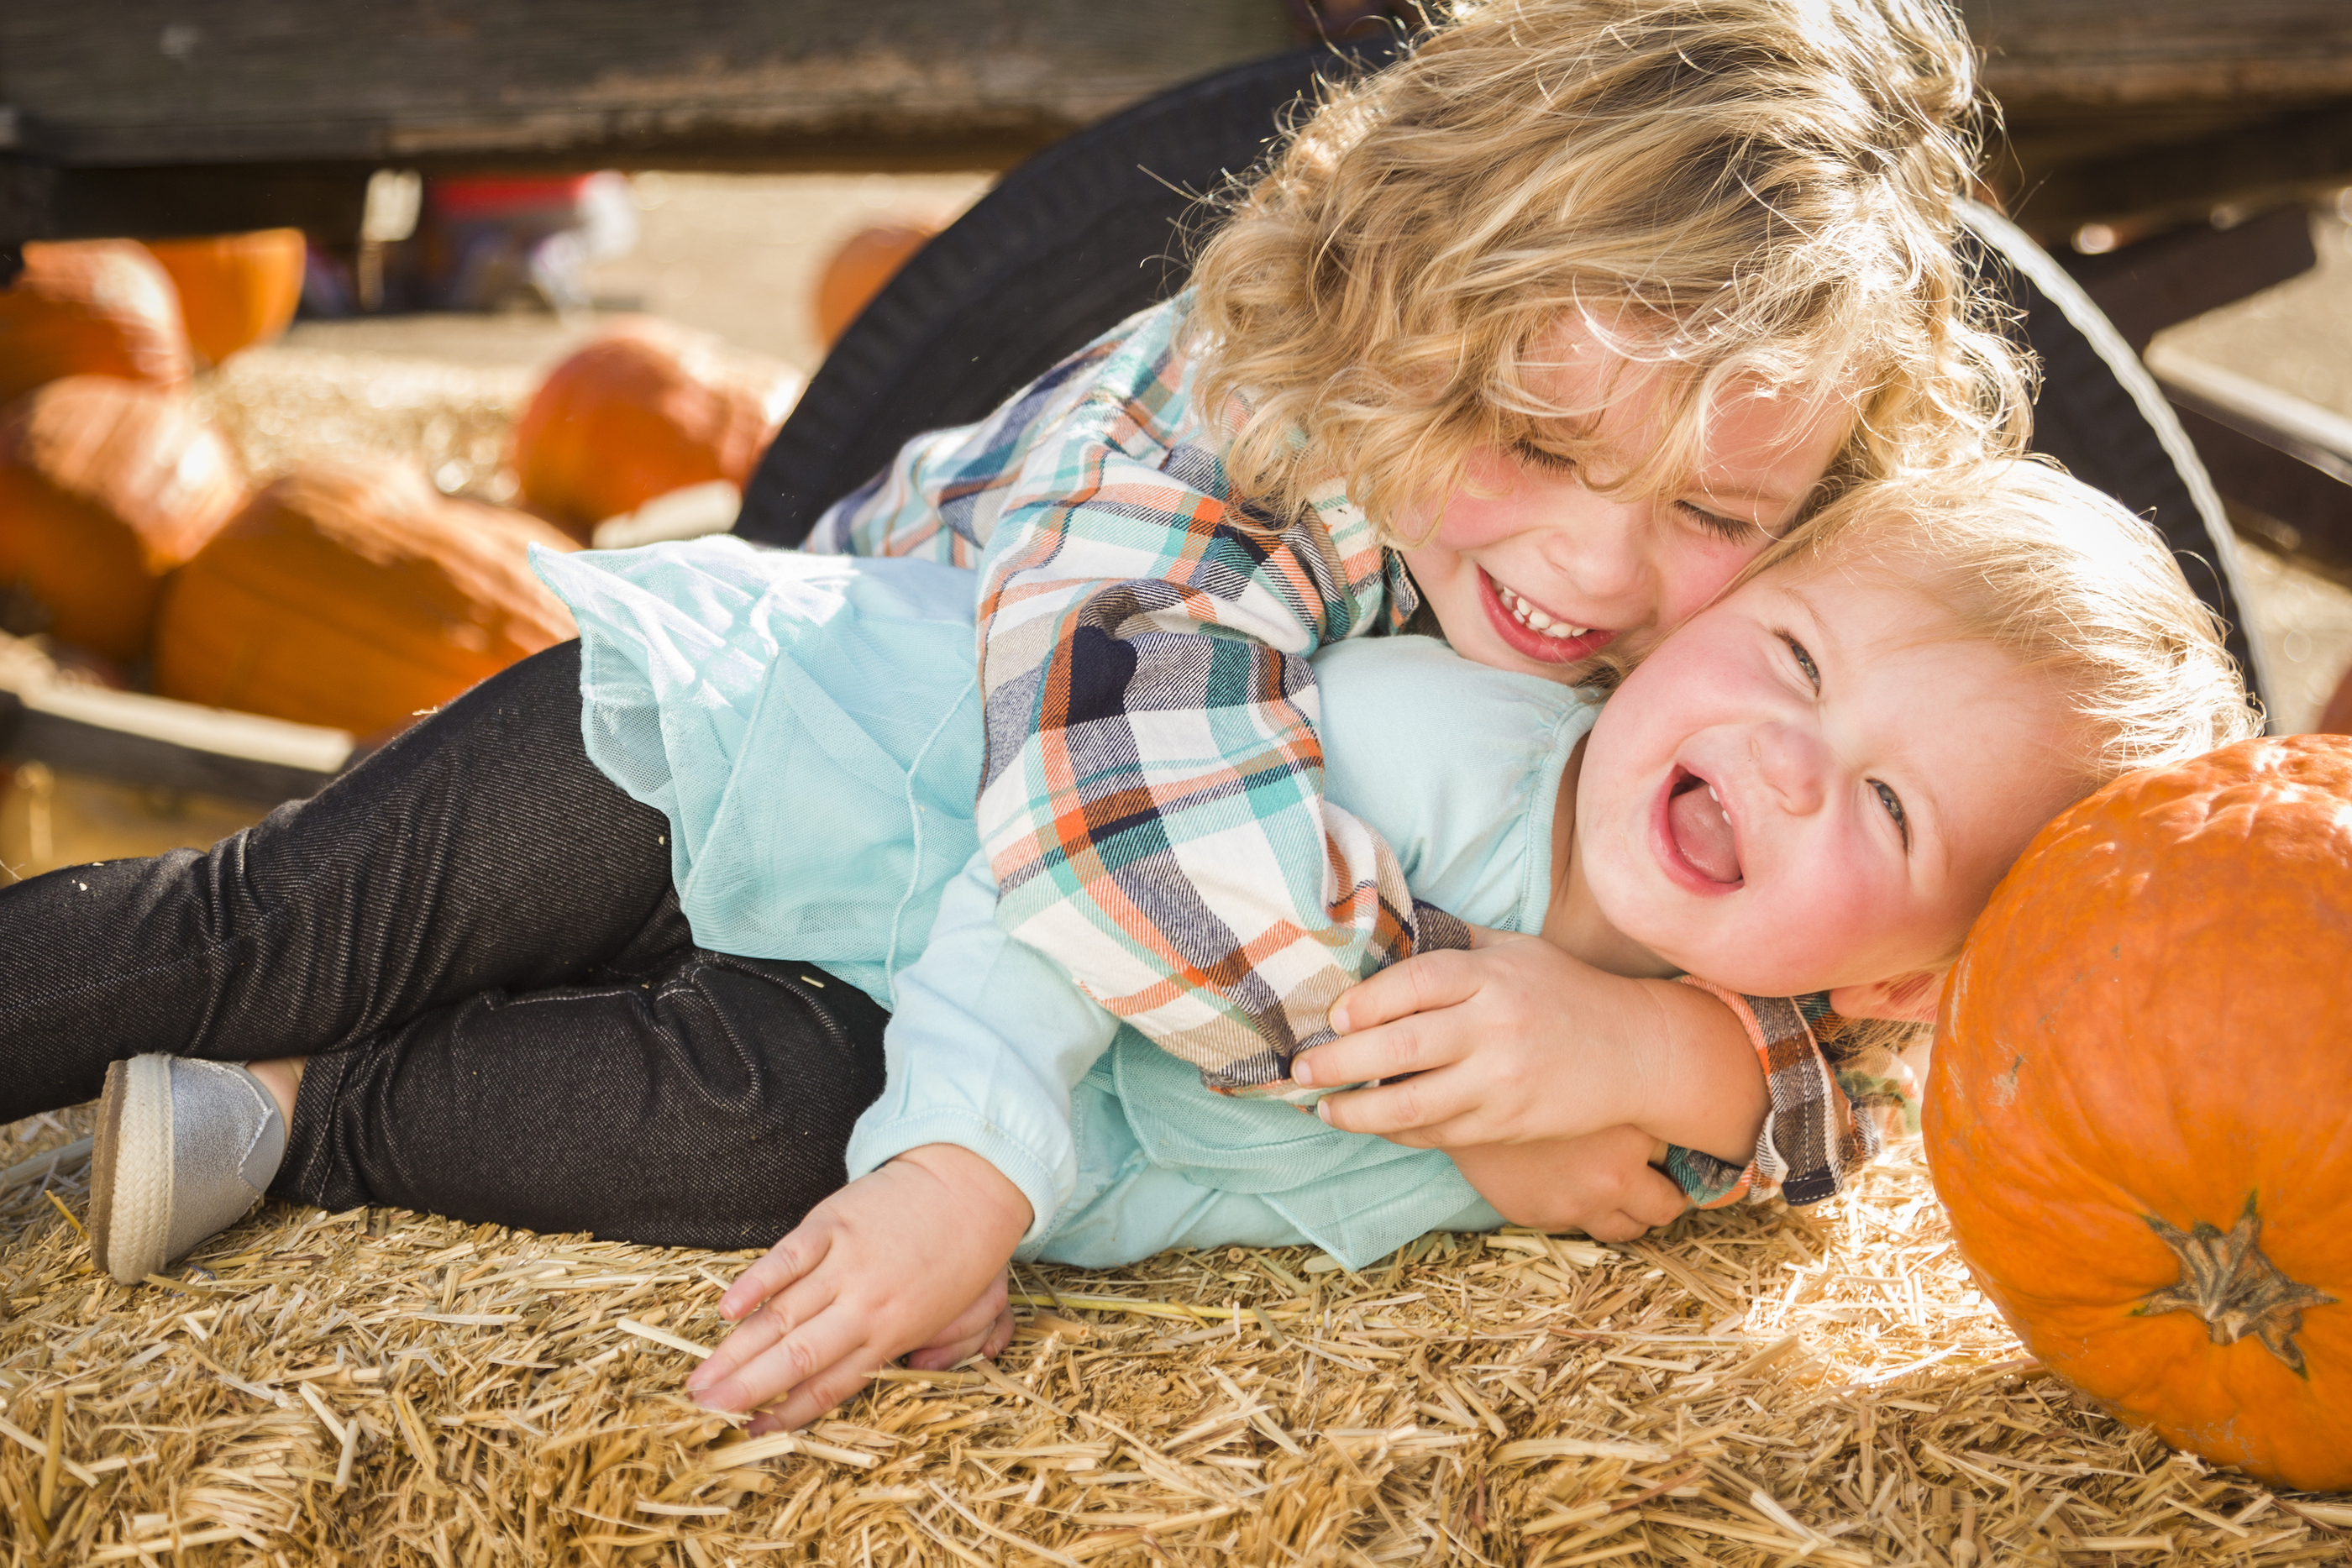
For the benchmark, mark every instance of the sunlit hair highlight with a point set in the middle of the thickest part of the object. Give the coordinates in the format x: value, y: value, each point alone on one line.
x: 1729, y: 191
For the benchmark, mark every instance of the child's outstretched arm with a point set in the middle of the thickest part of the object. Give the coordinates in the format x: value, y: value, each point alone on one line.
x: 967, y: 1151
x: 1152, y: 804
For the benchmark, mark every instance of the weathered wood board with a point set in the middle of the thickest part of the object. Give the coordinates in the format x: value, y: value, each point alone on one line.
x: 169, y: 115
x: 141, y: 82
x: 150, y: 741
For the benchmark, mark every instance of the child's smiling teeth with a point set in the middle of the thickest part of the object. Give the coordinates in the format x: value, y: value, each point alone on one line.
x: 1535, y: 620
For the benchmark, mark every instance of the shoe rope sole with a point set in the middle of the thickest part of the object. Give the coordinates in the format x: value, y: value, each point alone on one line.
x: 130, y: 1186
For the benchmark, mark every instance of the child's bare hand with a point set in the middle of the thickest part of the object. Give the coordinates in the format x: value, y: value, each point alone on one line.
x: 1601, y: 1184
x: 910, y: 1257
x: 1510, y: 1041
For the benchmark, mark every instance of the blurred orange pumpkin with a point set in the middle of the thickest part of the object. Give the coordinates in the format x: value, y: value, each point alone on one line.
x: 354, y: 595
x: 95, y: 307
x: 865, y: 261
x: 641, y: 412
x: 235, y: 291
x: 105, y: 486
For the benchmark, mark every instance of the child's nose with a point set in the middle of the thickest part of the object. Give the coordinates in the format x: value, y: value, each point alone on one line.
x: 1791, y: 762
x: 1600, y: 552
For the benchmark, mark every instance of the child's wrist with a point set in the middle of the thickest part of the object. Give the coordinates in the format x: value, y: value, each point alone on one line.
x: 1710, y: 1093
x: 994, y: 1199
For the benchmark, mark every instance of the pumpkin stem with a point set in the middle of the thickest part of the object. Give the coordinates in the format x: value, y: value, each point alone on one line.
x: 2226, y: 1280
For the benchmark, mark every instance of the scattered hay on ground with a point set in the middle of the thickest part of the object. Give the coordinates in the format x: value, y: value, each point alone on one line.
x: 1755, y: 1387
x: 281, y: 407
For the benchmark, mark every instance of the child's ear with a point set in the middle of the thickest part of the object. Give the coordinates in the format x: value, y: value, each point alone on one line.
x: 1908, y: 999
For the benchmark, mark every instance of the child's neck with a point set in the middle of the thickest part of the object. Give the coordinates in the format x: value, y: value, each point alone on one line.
x: 1574, y: 922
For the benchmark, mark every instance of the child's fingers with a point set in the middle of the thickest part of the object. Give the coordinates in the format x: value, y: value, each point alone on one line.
x: 1651, y: 1199
x: 802, y: 1354
x: 788, y: 1311
x: 977, y: 1332
x: 1423, y: 982
x: 802, y: 1250
x: 1391, y: 1050
x: 963, y: 1335
x: 822, y: 1393
x: 1418, y: 1113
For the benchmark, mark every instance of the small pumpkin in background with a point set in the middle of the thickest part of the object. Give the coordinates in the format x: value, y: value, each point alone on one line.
x: 865, y: 261
x: 91, y: 308
x: 105, y: 486
x: 2135, y: 1115
x: 355, y: 596
x: 235, y: 291
x: 640, y: 412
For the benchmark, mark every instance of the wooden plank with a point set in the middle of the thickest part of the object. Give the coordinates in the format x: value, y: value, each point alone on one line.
x: 142, y: 740
x: 2111, y: 53
x: 145, y: 82
x: 2148, y: 287
x: 2170, y: 177
x: 2284, y: 464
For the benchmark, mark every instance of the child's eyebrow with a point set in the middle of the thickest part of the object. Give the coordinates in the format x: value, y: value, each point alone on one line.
x: 1822, y: 632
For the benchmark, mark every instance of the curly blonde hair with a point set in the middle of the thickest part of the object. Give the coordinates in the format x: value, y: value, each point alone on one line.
x: 1732, y: 190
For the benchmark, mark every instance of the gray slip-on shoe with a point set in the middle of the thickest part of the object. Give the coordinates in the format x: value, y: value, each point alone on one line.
x: 184, y: 1149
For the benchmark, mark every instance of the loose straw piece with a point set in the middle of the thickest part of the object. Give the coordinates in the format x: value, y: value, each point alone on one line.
x: 663, y: 1337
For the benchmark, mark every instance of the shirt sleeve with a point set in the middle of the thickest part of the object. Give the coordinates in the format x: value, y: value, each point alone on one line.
x: 986, y: 1044
x: 1824, y: 1122
x: 939, y: 496
x: 1152, y: 802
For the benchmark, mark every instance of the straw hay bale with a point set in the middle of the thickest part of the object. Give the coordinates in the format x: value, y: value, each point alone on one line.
x: 1754, y: 1387
x: 1758, y: 1387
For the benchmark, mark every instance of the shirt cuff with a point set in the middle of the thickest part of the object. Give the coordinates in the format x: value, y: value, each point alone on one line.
x: 873, y: 1147
x: 1811, y: 1141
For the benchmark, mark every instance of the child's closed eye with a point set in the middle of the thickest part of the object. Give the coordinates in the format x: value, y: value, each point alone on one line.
x: 1542, y: 459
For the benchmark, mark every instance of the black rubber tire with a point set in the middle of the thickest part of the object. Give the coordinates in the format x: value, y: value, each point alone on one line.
x: 1091, y: 230
x: 1068, y: 244
x: 2100, y: 414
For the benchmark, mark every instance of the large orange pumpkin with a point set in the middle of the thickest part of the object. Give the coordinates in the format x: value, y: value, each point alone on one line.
x: 354, y: 596
x: 865, y: 261
x: 96, y: 307
x: 105, y: 486
x: 2137, y: 1106
x: 235, y: 291
x: 641, y: 412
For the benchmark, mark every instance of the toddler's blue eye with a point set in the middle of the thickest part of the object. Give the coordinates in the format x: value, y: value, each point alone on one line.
x: 1804, y: 661
x: 1893, y: 804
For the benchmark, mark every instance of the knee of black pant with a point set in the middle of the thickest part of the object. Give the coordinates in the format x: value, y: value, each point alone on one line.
x: 782, y: 1067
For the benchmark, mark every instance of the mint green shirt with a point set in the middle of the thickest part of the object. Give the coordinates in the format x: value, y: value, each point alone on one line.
x: 811, y: 727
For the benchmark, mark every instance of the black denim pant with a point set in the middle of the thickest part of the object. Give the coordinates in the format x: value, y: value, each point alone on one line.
x: 474, y: 937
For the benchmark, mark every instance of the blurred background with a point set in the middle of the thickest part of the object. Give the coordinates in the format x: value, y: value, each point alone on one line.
x: 318, y: 316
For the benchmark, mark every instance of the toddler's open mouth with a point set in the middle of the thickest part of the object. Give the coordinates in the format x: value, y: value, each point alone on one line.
x: 1700, y: 831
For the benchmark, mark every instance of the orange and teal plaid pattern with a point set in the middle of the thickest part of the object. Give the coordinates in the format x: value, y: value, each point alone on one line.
x: 1152, y: 802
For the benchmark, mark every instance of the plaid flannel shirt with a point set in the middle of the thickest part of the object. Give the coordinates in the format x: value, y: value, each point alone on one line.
x: 1152, y: 801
